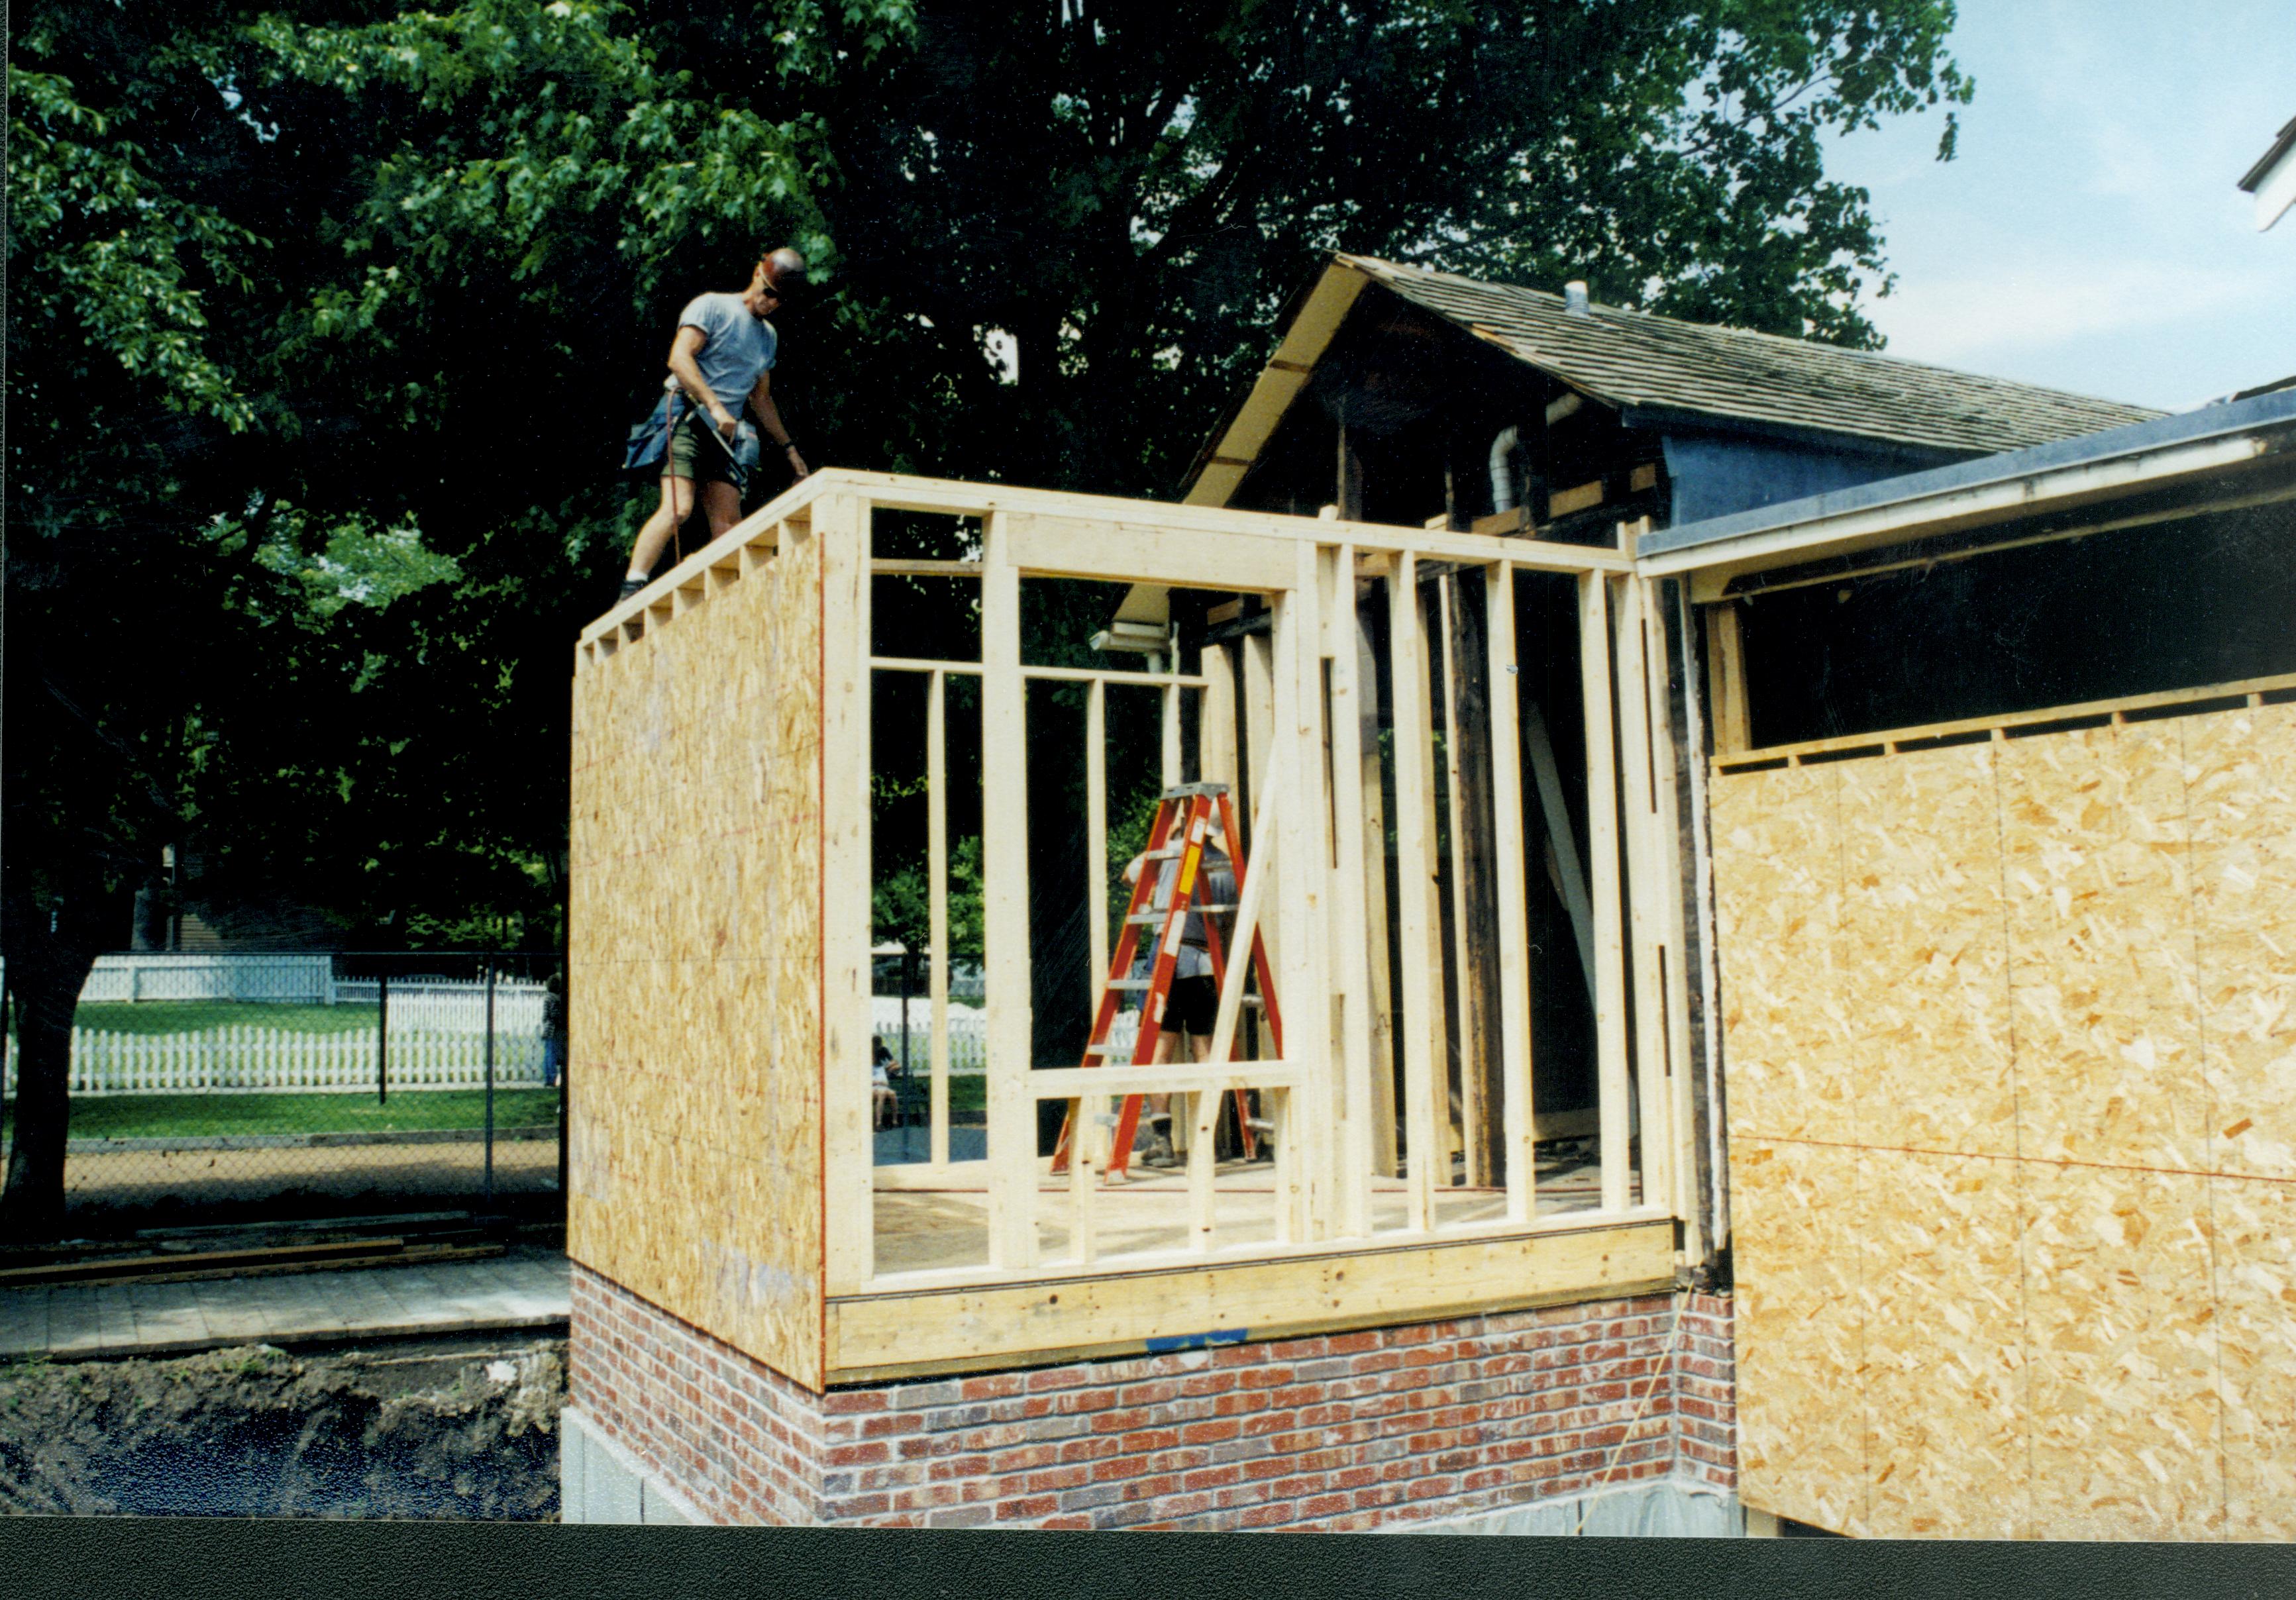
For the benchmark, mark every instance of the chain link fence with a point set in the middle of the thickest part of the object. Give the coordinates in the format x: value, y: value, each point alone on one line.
x: 238, y: 1086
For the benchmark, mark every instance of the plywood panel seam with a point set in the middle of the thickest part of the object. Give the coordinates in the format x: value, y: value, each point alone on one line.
x: 2008, y: 959
x: 2211, y: 1121
x: 2064, y: 1162
x: 821, y: 972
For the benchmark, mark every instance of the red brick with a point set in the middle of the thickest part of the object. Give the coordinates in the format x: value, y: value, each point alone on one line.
x: 1393, y: 1439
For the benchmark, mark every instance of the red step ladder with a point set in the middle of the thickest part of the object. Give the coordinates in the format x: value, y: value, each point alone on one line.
x: 1187, y: 818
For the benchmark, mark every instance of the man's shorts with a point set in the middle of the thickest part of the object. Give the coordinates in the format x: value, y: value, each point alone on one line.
x: 691, y: 455
x: 1192, y: 1006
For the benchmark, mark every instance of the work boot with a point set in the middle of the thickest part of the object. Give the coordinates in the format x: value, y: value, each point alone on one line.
x: 631, y: 586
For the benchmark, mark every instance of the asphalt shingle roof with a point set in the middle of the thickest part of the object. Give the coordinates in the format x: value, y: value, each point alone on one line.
x: 1634, y: 358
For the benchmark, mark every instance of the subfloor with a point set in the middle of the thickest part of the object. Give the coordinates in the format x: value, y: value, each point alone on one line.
x: 923, y: 1229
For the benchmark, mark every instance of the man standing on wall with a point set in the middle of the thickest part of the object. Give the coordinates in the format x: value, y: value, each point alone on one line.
x: 722, y: 355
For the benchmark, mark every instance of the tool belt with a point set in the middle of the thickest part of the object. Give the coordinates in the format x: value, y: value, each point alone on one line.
x: 649, y: 442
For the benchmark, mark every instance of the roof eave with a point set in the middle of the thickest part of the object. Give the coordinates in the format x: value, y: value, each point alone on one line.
x: 2280, y: 145
x: 1969, y: 493
x: 1310, y: 319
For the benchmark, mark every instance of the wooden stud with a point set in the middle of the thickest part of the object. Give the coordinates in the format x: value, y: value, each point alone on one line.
x: 1283, y: 1111
x: 1088, y: 1122
x: 1415, y: 785
x: 1514, y: 924
x: 1005, y: 879
x: 1096, y: 828
x: 1438, y: 1025
x: 1709, y: 972
x: 937, y: 902
x: 885, y: 568
x: 1202, y: 1221
x: 1639, y: 772
x: 1301, y: 890
x: 1380, y: 1004
x: 1726, y: 666
x: 1463, y: 939
x: 1153, y: 1078
x: 1171, y: 739
x: 1258, y: 754
x: 841, y: 528
x: 1350, y: 975
x: 1216, y: 718
x: 1603, y: 854
x: 1671, y: 918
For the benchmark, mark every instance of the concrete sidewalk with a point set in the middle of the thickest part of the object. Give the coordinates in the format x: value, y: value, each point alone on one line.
x: 523, y: 1290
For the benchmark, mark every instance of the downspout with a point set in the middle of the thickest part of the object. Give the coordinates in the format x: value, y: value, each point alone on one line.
x: 1501, y: 475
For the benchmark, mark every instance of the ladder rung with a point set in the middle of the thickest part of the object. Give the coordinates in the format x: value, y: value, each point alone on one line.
x: 1145, y: 918
x: 1132, y: 985
x: 1170, y: 852
x: 1108, y: 1049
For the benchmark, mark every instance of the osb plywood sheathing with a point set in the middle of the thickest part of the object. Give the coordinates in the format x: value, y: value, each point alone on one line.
x: 694, y: 964
x: 2010, y: 1058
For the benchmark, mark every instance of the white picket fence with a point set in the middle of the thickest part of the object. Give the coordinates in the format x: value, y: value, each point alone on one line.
x: 252, y: 1060
x: 440, y: 1005
x: 968, y: 1033
x: 437, y: 1040
x: 210, y: 975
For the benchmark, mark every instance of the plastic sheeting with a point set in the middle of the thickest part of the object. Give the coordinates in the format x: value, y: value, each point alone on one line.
x: 1662, y: 1508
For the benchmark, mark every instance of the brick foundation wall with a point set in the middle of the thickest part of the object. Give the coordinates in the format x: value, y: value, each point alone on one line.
x: 1343, y: 1431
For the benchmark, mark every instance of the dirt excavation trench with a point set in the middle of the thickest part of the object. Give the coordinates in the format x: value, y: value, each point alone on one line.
x: 448, y: 1430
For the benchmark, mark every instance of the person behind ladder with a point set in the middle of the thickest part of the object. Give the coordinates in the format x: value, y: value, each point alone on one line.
x: 722, y: 355
x: 1192, y: 1006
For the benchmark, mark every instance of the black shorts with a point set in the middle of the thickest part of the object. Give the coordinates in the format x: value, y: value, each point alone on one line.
x: 1192, y: 1006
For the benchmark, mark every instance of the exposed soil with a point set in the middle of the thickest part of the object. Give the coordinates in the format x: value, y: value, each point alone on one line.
x: 461, y: 1433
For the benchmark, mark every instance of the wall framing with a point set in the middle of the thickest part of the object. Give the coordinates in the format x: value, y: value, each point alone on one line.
x: 766, y: 771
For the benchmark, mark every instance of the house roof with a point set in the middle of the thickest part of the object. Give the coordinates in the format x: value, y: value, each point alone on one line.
x: 1636, y: 359
x: 2280, y: 145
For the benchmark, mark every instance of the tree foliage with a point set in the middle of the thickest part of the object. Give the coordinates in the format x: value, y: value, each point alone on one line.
x: 325, y: 323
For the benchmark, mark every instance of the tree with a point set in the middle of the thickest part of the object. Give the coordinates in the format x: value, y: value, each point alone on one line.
x: 113, y: 376
x: 1128, y: 190
x: 324, y: 333
x: 236, y: 611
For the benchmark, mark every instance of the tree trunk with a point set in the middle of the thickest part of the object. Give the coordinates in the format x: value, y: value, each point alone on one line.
x: 46, y: 971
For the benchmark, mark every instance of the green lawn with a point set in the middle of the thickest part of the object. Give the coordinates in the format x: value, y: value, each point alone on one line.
x: 158, y: 1116
x: 967, y: 1091
x: 197, y: 1016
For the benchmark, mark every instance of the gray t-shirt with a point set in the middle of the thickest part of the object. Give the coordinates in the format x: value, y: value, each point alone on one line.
x: 737, y: 350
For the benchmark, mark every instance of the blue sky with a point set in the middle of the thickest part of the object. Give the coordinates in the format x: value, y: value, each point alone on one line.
x: 2089, y: 235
